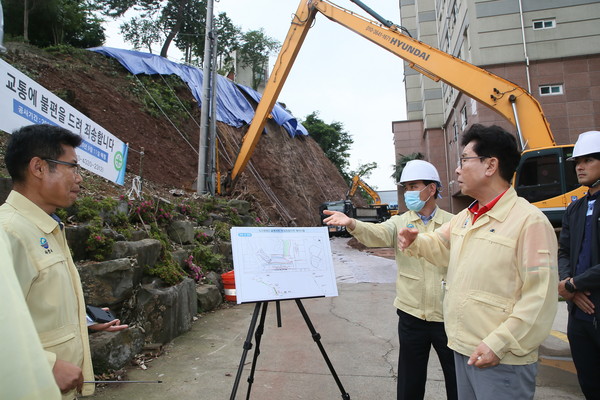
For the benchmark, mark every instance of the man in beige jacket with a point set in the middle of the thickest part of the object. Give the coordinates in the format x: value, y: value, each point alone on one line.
x: 418, y: 283
x: 42, y: 162
x: 22, y: 375
x: 501, y: 293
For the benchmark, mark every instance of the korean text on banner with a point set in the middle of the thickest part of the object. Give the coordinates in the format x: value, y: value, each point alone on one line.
x: 23, y: 102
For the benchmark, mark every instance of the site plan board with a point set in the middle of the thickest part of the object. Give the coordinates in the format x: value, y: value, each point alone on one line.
x: 282, y: 263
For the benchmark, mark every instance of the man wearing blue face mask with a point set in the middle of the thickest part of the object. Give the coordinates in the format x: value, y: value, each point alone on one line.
x: 418, y: 283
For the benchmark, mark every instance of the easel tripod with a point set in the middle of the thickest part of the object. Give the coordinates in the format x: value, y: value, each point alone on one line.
x: 258, y: 336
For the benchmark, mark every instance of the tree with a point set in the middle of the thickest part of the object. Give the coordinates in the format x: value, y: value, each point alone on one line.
x: 117, y: 8
x: 180, y: 21
x: 173, y: 16
x: 190, y: 39
x: 53, y: 22
x: 402, y: 161
x: 141, y: 32
x: 254, y: 53
x: 332, y: 138
x: 229, y: 37
x: 364, y: 170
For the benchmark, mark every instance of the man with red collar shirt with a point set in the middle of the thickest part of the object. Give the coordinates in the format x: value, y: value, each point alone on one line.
x: 501, y: 252
x: 419, y: 289
x: 579, y: 266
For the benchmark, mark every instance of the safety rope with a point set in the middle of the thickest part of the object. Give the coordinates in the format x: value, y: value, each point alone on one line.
x: 179, y: 100
x: 165, y: 114
x: 279, y: 207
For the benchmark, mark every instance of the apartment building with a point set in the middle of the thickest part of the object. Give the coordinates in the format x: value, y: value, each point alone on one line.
x: 549, y: 47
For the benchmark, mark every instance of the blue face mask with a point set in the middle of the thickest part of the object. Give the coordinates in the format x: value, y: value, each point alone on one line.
x: 413, y: 200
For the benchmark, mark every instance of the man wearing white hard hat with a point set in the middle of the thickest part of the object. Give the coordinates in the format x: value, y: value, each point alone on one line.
x: 418, y: 284
x: 579, y: 266
x: 500, y: 299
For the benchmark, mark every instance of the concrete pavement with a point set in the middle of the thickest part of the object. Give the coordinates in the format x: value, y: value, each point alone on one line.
x: 358, y: 331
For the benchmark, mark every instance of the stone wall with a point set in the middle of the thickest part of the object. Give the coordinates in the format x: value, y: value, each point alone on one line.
x: 155, y: 312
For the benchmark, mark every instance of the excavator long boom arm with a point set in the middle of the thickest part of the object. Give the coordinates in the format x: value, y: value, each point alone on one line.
x: 509, y: 100
x: 358, y: 182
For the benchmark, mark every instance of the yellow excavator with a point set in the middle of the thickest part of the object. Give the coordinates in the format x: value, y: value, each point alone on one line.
x: 542, y: 177
x: 357, y: 182
x: 374, y: 212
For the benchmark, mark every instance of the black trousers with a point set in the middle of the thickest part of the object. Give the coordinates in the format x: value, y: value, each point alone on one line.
x: 584, y: 339
x: 416, y: 338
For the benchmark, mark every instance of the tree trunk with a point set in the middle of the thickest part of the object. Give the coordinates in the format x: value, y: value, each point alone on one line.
x: 25, y: 21
x: 175, y: 29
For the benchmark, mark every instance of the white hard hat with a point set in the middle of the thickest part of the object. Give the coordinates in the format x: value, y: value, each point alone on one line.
x: 587, y: 143
x: 419, y: 170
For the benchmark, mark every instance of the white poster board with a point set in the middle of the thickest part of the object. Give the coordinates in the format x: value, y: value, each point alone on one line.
x: 282, y: 263
x: 24, y: 102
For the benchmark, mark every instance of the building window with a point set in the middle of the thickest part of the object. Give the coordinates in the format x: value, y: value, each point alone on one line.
x: 454, y: 12
x: 463, y: 117
x: 551, y: 90
x: 455, y: 129
x: 544, y: 24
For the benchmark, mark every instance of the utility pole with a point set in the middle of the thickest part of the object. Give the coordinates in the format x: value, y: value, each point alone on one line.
x: 203, y: 169
x: 2, y: 48
x: 213, y: 119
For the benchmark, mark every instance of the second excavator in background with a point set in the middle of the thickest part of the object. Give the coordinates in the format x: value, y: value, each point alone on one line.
x: 375, y: 211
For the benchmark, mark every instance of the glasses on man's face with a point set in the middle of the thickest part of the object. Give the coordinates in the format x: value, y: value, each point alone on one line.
x: 461, y: 160
x: 76, y: 168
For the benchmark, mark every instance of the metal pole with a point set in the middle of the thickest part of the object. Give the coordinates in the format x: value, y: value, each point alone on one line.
x: 2, y: 48
x: 204, y: 111
x: 213, y: 117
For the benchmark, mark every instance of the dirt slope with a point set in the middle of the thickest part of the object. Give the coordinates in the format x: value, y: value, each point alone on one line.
x: 292, y: 176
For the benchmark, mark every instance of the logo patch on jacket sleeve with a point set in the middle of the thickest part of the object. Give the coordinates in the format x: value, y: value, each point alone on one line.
x: 45, y: 245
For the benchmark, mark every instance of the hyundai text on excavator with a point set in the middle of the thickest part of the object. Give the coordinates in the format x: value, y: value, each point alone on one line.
x: 374, y: 212
x: 542, y: 176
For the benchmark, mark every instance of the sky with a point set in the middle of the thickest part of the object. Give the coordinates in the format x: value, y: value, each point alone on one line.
x: 343, y: 76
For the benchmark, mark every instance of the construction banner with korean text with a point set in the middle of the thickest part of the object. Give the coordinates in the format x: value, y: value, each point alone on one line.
x: 24, y: 102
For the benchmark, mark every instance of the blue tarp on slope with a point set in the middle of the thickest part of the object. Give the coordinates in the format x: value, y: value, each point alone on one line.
x: 232, y: 107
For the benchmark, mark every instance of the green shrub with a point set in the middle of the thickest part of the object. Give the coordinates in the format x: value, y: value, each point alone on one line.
x: 207, y: 258
x: 98, y: 245
x: 158, y: 98
x: 202, y: 238
x: 62, y: 214
x: 234, y: 217
x: 148, y: 212
x: 222, y: 230
x: 194, y: 271
x: 166, y: 269
x: 192, y: 210
x: 87, y: 208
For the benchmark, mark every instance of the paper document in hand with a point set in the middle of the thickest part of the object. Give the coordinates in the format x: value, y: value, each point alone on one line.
x: 282, y: 263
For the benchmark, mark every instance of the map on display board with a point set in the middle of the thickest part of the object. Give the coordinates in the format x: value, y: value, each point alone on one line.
x: 282, y: 263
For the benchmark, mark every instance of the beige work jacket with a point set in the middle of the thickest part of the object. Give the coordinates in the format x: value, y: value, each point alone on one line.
x: 418, y: 282
x: 502, y: 278
x: 23, y: 374
x: 50, y: 283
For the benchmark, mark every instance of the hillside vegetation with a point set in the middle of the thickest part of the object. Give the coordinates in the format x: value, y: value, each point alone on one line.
x: 285, y: 182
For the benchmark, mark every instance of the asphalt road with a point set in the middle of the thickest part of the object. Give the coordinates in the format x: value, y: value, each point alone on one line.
x: 357, y: 332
